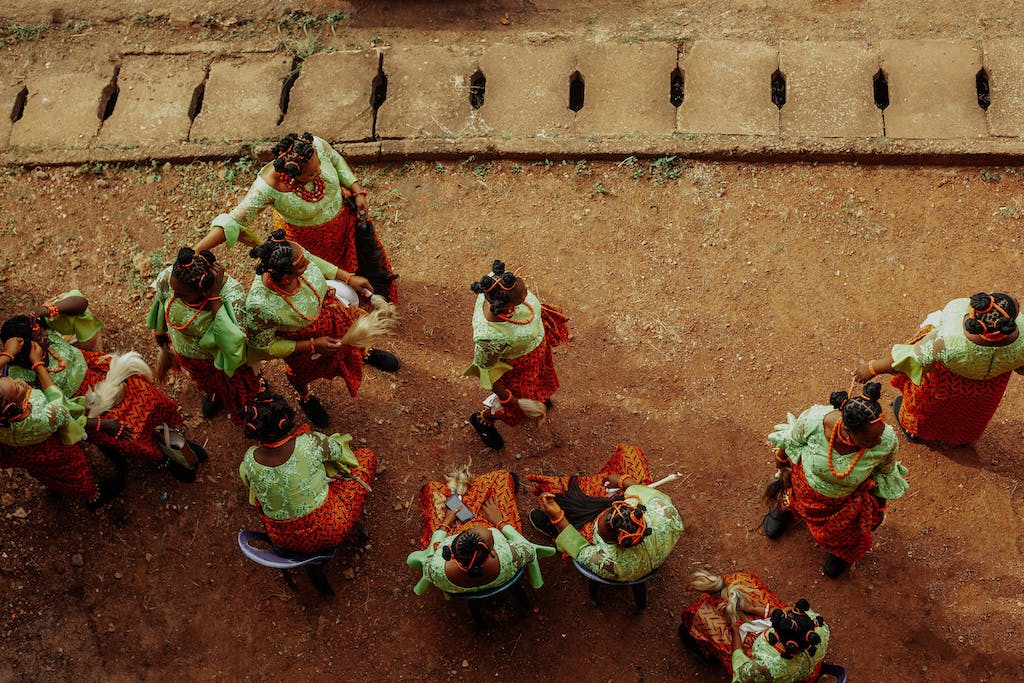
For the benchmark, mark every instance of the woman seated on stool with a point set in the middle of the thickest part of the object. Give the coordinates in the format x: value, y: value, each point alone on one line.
x: 479, y: 554
x: 310, y: 488
x: 748, y: 629
x: 622, y: 537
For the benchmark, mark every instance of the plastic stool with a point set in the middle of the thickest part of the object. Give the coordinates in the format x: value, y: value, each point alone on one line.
x: 285, y: 560
x: 473, y: 599
x: 639, y: 586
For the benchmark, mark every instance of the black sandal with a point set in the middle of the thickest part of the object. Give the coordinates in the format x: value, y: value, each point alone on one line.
x: 488, y: 433
x: 775, y: 523
x: 315, y: 411
x: 896, y: 404
x: 834, y: 567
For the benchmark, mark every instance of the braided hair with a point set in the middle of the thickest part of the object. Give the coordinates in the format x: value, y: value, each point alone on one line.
x: 626, y: 520
x: 22, y: 327
x: 992, y: 314
x: 268, y: 417
x: 794, y: 630
x: 10, y: 411
x: 292, y: 154
x: 194, y: 269
x: 497, y: 288
x: 858, y: 411
x: 276, y: 256
x: 470, y: 552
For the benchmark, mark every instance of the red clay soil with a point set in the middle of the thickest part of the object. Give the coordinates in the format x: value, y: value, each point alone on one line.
x: 707, y: 301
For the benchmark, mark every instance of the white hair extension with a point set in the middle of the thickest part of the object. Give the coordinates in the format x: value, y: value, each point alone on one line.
x: 374, y: 324
x: 458, y: 478
x: 535, y: 410
x: 706, y: 582
x: 110, y: 391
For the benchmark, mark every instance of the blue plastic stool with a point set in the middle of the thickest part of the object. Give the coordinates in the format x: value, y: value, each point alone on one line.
x: 639, y: 586
x: 285, y: 560
x: 834, y: 670
x: 473, y: 599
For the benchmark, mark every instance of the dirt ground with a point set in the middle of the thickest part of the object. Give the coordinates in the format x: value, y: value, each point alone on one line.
x: 707, y: 301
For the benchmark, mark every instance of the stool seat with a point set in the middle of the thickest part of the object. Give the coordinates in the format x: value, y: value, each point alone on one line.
x: 834, y: 670
x: 473, y: 599
x: 280, y: 558
x: 639, y: 586
x: 490, y: 592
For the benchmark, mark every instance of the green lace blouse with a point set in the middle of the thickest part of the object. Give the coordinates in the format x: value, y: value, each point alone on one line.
x: 293, y: 208
x: 806, y: 443
x: 299, y: 485
x: 267, y: 313
x: 947, y: 343
x: 615, y: 563
x: 498, y: 342
x: 70, y: 378
x: 764, y: 654
x: 513, y: 550
x: 49, y: 412
x: 219, y: 338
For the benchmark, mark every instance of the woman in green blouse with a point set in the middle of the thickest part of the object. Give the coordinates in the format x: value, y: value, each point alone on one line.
x: 310, y: 487
x: 837, y: 467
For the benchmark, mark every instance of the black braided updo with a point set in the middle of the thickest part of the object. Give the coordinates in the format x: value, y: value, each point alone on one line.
x: 794, y: 630
x: 276, y: 256
x: 194, y: 269
x: 268, y: 417
x: 986, y: 318
x: 858, y: 410
x: 470, y: 551
x: 292, y: 154
x: 22, y: 327
x: 497, y: 288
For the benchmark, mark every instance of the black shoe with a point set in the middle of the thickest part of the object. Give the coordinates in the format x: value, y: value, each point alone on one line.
x: 775, y: 523
x: 515, y: 483
x: 212, y: 406
x: 177, y: 470
x: 834, y: 567
x: 108, y: 491
x: 488, y: 433
x: 315, y: 411
x: 201, y: 454
x: 549, y: 404
x: 896, y: 411
x: 542, y: 524
x: 384, y: 361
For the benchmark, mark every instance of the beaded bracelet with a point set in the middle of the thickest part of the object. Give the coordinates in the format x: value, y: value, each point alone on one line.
x: 52, y: 311
x: 559, y: 519
x: 38, y: 364
x: 4, y: 354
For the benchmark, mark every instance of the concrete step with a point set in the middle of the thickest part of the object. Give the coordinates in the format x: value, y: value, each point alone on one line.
x: 919, y: 99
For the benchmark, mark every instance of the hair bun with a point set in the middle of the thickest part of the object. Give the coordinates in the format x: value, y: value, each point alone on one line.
x: 185, y: 254
x: 837, y: 398
x: 1007, y: 326
x: 446, y: 553
x: 802, y: 605
x: 873, y: 390
x: 980, y: 301
x: 498, y: 267
x: 974, y: 326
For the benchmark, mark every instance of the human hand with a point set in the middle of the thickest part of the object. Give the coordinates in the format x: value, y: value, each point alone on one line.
x: 362, y: 205
x: 613, y: 481
x: 863, y: 372
x: 491, y: 512
x: 359, y: 283
x: 36, y: 312
x: 14, y: 345
x: 36, y: 354
x: 549, y: 507
x: 449, y: 517
x: 326, y: 344
x: 112, y: 427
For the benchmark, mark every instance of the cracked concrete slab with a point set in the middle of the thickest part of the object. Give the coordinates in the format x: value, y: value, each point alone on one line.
x: 1004, y: 60
x: 728, y: 89
x: 932, y: 90
x: 242, y: 99
x: 62, y: 108
x: 527, y: 89
x: 155, y: 95
x: 331, y: 97
x: 829, y: 90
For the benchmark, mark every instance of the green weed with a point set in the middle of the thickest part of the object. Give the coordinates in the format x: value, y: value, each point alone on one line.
x: 17, y: 33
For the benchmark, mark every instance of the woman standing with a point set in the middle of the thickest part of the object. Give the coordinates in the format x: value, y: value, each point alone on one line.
x: 41, y: 431
x: 837, y: 467
x: 621, y: 536
x: 293, y: 313
x: 195, y: 317
x: 481, y: 553
x: 319, y: 204
x: 514, y: 334
x: 305, y: 507
x: 745, y: 626
x: 952, y: 375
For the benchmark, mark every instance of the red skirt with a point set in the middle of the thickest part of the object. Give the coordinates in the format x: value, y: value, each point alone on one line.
x: 842, y: 526
x: 59, y: 467
x: 329, y: 524
x: 705, y: 620
x: 533, y: 376
x: 947, y: 408
x: 335, y: 242
x: 498, y: 485
x: 627, y: 461
x: 143, y: 408
x: 235, y: 392
x: 347, y: 362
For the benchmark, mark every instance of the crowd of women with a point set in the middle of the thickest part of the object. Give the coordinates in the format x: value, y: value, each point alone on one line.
x: 324, y: 292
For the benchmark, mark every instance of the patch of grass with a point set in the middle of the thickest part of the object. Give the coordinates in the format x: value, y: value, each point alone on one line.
x: 147, y: 20
x: 156, y: 258
x: 1013, y: 209
x: 18, y: 33
x: 516, y: 168
x: 480, y: 170
x: 583, y: 168
x: 601, y: 189
x: 990, y: 176
x: 668, y: 168
x: 439, y: 167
